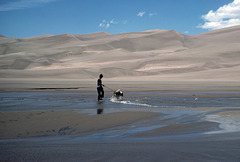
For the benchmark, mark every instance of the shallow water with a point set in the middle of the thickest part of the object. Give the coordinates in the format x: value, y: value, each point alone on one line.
x: 177, y: 110
x: 22, y: 101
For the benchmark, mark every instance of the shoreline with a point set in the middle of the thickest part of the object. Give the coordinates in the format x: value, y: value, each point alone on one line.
x: 156, y: 93
x: 89, y: 85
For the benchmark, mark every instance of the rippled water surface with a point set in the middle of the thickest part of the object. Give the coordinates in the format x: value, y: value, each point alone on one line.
x: 177, y: 107
x: 21, y: 101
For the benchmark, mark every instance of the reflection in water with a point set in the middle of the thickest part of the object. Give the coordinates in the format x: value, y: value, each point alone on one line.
x: 99, y: 111
x: 100, y: 107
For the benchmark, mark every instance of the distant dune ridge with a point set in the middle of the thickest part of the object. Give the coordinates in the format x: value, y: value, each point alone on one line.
x: 154, y: 54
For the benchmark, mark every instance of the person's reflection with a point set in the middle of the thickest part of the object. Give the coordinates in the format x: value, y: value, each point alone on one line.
x: 99, y: 111
x: 100, y: 107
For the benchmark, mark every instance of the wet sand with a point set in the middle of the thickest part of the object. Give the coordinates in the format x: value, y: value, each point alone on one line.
x: 220, y: 147
x: 119, y: 136
x: 191, y: 134
x: 209, y: 148
x: 62, y: 123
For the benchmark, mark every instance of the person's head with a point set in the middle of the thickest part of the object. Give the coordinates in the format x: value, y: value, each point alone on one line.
x: 100, y: 76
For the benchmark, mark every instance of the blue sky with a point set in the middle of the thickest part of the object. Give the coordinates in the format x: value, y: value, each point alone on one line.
x: 27, y: 18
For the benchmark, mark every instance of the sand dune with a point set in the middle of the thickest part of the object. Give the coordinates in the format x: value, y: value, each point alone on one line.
x: 155, y: 54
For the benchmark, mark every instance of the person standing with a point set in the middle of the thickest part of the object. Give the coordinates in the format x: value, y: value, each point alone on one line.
x: 100, y: 88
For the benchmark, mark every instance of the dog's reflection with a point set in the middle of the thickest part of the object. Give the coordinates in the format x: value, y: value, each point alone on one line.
x: 99, y: 111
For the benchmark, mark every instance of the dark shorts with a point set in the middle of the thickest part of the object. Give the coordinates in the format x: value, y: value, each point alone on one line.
x: 100, y: 93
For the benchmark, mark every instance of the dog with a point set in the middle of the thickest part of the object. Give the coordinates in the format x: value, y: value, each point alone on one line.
x: 118, y: 94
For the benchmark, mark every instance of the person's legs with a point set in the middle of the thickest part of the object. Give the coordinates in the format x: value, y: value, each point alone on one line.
x: 102, y: 93
x: 99, y: 93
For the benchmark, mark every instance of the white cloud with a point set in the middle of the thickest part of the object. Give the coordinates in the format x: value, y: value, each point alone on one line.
x: 101, y: 25
x: 106, y: 24
x: 22, y: 4
x: 225, y: 16
x: 141, y: 13
x: 113, y: 22
x: 152, y: 14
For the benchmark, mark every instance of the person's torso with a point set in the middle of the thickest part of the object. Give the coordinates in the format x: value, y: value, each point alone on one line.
x: 99, y: 83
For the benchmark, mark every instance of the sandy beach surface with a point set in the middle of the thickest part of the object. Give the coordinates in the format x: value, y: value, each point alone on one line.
x: 181, y: 97
x: 57, y: 123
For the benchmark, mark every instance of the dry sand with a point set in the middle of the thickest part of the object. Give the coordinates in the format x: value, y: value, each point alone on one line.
x: 143, y: 61
x: 89, y: 85
x: 155, y: 55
